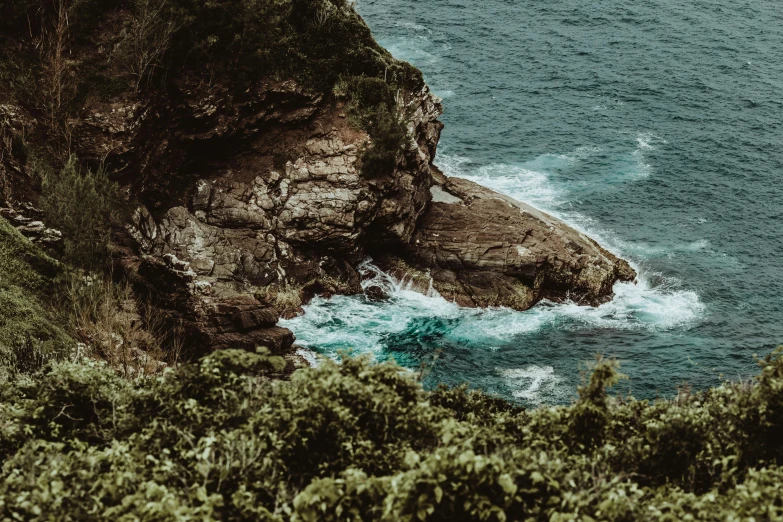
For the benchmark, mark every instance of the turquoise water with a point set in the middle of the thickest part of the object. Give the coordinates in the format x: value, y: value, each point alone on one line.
x: 655, y: 127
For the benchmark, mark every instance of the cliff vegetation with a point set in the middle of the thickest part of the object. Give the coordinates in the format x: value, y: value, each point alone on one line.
x: 62, y: 55
x: 219, y: 440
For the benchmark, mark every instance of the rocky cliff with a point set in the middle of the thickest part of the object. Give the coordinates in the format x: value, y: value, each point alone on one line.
x: 252, y: 196
x: 481, y: 248
x: 246, y: 235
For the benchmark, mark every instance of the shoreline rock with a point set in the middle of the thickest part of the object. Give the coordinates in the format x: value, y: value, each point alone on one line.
x: 251, y: 201
x: 481, y: 248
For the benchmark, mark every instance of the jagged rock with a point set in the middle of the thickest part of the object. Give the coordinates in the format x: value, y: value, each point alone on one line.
x: 35, y: 230
x: 256, y: 194
x: 207, y: 321
x: 485, y: 249
x: 247, y: 223
x: 375, y: 293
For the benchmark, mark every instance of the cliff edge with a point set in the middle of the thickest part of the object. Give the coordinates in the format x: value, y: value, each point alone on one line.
x: 265, y: 155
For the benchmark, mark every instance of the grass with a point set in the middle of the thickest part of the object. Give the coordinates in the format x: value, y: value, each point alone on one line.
x: 27, y: 281
x: 106, y: 316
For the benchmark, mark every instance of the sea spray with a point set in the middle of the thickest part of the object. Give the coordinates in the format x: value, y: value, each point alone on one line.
x: 410, y: 326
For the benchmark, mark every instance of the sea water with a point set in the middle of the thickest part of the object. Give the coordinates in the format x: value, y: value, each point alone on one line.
x: 654, y: 127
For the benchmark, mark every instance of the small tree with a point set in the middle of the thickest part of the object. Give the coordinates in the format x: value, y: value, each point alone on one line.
x: 81, y: 203
x: 146, y: 39
x: 57, y: 82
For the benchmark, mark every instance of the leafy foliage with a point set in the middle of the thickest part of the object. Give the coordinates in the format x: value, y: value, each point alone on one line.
x: 218, y: 440
x: 317, y: 41
x: 373, y: 107
x: 81, y: 203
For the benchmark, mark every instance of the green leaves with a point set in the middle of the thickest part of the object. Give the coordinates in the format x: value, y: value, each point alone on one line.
x: 81, y: 204
x: 219, y: 440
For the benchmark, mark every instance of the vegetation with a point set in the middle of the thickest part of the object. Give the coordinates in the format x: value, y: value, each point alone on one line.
x: 82, y: 204
x: 373, y: 107
x: 317, y: 41
x: 143, y: 44
x: 27, y: 330
x: 217, y: 440
x: 115, y: 326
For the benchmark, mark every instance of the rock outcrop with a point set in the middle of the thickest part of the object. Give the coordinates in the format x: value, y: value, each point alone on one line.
x: 27, y: 220
x: 481, y: 248
x: 274, y: 209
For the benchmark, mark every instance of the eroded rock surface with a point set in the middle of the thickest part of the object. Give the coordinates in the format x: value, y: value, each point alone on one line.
x: 484, y: 249
x: 269, y: 205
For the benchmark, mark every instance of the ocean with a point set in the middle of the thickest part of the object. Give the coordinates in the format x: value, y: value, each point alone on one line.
x: 654, y: 127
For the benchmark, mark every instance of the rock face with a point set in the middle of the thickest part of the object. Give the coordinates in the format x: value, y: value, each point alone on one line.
x: 484, y: 249
x: 32, y: 227
x: 268, y: 207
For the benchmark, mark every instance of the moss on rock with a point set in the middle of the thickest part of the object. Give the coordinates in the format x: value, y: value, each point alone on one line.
x: 27, y: 281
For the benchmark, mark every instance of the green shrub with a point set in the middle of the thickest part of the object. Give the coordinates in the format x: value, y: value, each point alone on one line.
x: 373, y: 108
x: 218, y: 440
x: 389, y: 137
x: 82, y: 204
x: 28, y: 332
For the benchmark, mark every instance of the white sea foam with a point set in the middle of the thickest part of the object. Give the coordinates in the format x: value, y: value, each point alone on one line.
x: 413, y: 26
x: 649, y: 141
x: 645, y: 142
x: 354, y: 322
x: 308, y: 355
x: 415, y: 47
x: 638, y: 306
x: 533, y: 383
x: 647, y: 250
x: 635, y: 305
x: 358, y: 325
x: 531, y: 186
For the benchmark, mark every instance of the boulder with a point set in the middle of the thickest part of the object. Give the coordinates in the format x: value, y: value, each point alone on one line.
x: 482, y: 248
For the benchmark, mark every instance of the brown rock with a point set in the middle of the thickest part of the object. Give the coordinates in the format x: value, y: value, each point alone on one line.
x: 485, y: 249
x: 257, y: 194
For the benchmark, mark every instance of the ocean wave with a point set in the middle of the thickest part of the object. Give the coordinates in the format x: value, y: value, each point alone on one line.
x: 532, y: 183
x: 534, y: 384
x: 536, y: 183
x: 651, y: 303
x: 410, y: 322
x: 415, y: 48
x: 531, y: 186
x: 364, y: 325
x: 645, y: 142
x: 308, y: 355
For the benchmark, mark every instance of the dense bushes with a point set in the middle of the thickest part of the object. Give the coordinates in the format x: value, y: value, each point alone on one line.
x: 356, y: 441
x: 322, y: 43
x: 67, y: 52
x: 372, y: 106
x: 317, y: 41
